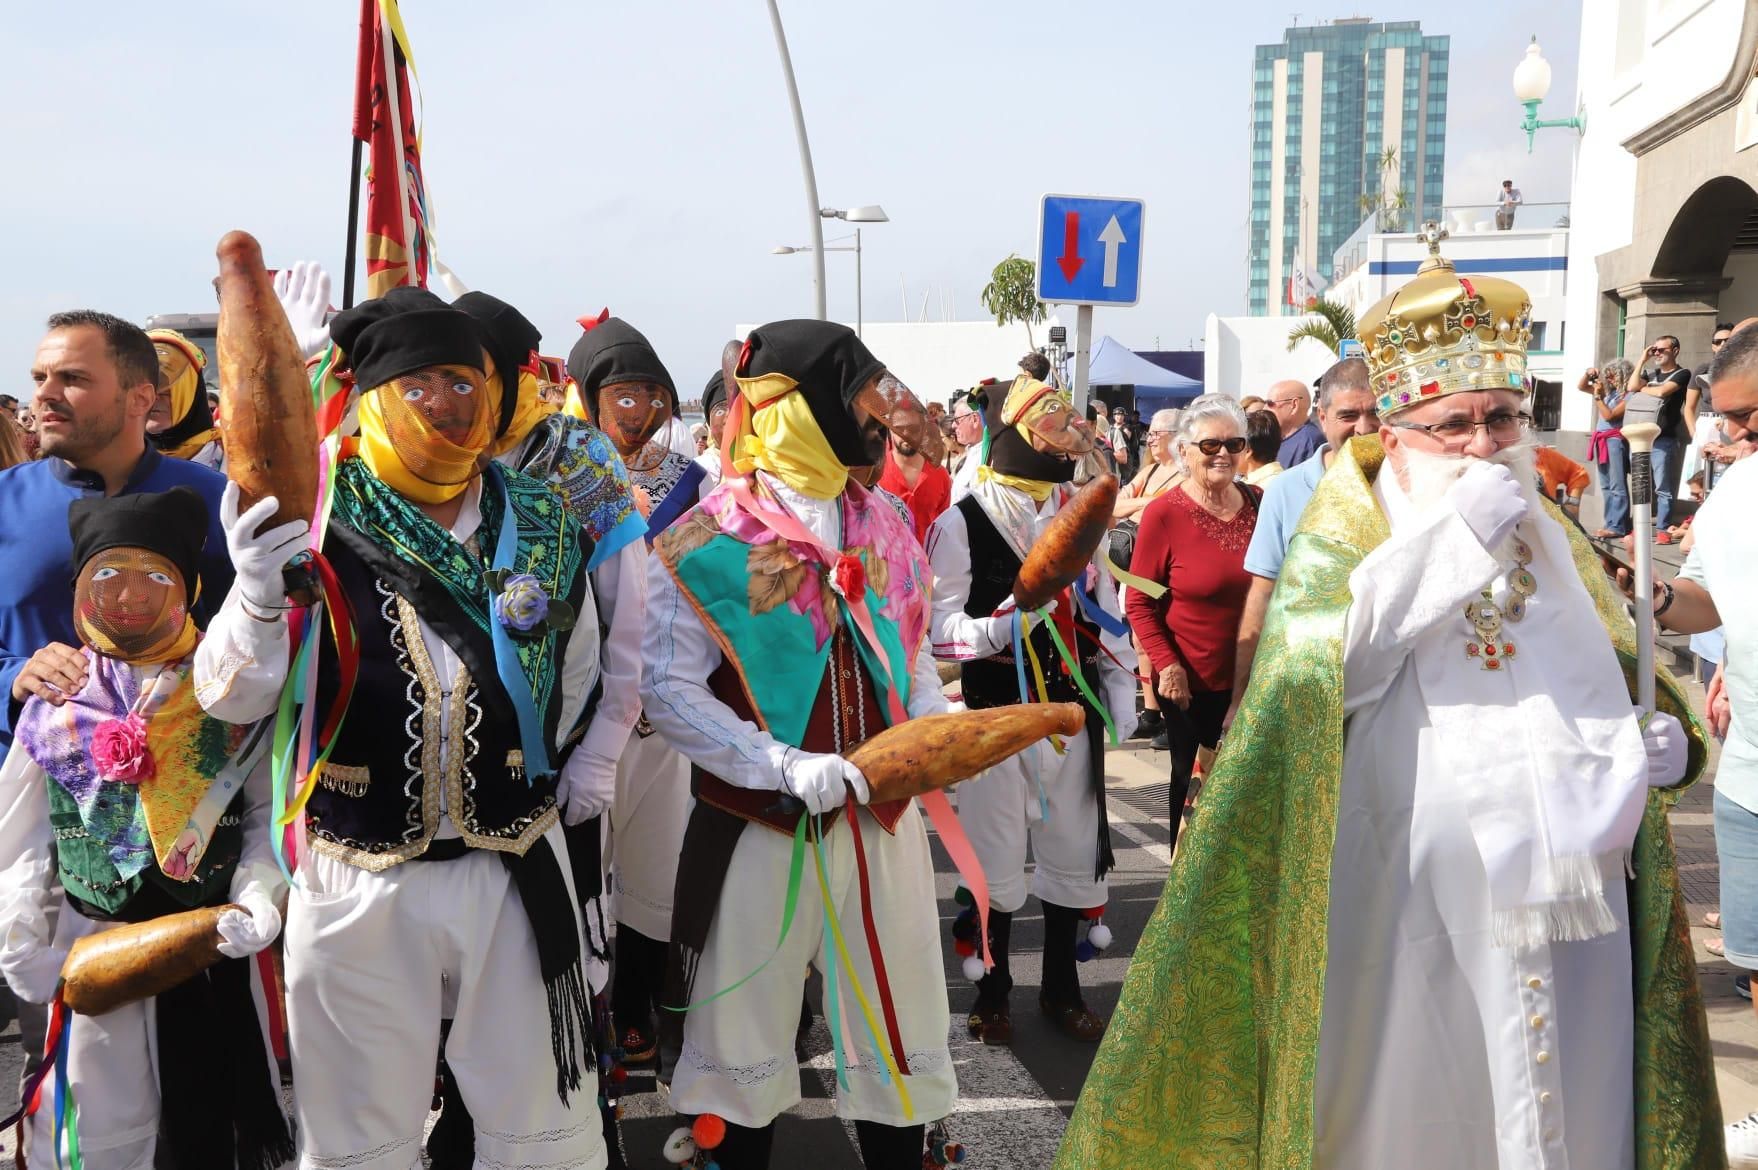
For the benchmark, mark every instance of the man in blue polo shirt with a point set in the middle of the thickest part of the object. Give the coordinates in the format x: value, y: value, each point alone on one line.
x: 96, y: 377
x: 1346, y: 409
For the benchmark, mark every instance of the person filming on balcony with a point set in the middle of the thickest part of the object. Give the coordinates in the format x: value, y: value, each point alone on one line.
x: 1507, y: 199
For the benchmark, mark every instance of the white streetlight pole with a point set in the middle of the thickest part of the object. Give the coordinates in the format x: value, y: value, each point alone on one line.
x: 785, y: 250
x: 868, y: 213
x: 793, y: 97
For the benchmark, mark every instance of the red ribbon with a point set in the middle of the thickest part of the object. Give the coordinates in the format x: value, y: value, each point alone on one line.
x: 886, y: 1006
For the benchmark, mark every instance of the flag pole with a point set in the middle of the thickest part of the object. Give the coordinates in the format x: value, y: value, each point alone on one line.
x: 349, y: 256
x: 1640, y: 436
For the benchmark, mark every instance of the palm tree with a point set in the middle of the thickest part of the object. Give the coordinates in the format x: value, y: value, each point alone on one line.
x: 1011, y: 294
x: 1329, y: 324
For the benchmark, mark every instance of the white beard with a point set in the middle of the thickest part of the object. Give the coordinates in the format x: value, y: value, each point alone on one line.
x: 1429, y: 476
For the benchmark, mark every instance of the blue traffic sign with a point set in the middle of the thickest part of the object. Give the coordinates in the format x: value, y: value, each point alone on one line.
x: 1089, y: 250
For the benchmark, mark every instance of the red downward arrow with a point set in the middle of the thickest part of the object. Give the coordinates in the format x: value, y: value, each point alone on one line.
x: 1070, y: 260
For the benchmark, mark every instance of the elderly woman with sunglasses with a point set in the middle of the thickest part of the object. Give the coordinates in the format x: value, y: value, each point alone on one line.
x: 1192, y: 539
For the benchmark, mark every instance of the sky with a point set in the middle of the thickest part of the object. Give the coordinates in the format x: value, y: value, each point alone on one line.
x: 581, y: 154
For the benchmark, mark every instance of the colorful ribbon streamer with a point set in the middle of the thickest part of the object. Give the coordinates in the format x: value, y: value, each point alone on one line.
x: 538, y: 763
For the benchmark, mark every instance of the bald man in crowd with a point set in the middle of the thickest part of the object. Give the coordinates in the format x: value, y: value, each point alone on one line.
x: 1292, y: 403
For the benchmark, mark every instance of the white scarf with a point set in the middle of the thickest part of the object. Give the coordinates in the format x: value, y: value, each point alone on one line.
x: 1557, y: 775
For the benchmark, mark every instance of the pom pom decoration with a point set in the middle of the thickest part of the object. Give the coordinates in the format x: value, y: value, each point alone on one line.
x: 1099, y: 936
x: 965, y: 947
x: 708, y: 1131
x: 680, y: 1147
x: 962, y: 896
x: 1093, y: 913
x: 973, y: 968
x: 1084, y: 952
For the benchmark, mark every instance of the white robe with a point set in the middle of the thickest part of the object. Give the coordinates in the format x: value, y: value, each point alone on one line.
x: 1437, y: 1048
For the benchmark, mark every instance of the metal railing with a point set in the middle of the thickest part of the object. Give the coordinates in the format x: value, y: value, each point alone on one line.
x: 1460, y: 220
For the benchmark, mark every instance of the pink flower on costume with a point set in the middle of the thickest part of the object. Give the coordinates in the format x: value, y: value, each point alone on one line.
x: 120, y: 752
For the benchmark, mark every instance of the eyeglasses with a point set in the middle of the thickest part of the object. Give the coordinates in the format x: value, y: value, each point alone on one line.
x: 1215, y: 446
x: 1503, y: 427
x: 1350, y: 417
x: 1161, y: 434
x: 1286, y: 401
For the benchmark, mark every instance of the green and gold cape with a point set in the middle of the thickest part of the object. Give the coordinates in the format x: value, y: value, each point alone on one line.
x: 1212, y: 1054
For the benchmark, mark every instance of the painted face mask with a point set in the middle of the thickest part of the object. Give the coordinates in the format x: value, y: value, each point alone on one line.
x: 436, y: 422
x: 902, y: 413
x: 631, y: 413
x: 130, y: 604
x: 1054, y: 429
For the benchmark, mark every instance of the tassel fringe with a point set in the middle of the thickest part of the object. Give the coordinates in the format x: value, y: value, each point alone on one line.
x: 570, y: 1029
x: 1577, y: 911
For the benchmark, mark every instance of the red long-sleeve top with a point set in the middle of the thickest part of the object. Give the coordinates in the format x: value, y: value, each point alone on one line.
x: 1201, y: 559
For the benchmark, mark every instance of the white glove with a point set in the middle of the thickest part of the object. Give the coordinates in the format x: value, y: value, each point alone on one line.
x: 34, y: 974
x: 1668, y: 750
x: 257, y: 558
x: 823, y: 781
x: 586, y: 787
x: 1000, y: 629
x: 304, y: 293
x: 1489, y: 501
x: 246, y: 931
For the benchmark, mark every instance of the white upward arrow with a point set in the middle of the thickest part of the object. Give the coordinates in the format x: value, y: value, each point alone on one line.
x: 1111, y: 237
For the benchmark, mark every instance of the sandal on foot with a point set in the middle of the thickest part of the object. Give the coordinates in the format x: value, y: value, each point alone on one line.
x: 1712, y: 920
x: 1716, y: 946
x: 1074, y: 1020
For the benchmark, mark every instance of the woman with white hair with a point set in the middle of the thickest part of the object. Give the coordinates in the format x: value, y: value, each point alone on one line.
x: 1159, y: 472
x: 1192, y: 540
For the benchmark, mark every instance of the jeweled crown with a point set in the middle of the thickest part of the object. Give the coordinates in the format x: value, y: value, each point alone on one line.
x: 1444, y: 333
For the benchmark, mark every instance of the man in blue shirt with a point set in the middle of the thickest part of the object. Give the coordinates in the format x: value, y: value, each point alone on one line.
x: 96, y: 377
x: 1346, y: 409
x: 1291, y: 402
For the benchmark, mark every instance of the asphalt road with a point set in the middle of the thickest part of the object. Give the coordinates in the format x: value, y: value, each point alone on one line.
x: 1013, y: 1102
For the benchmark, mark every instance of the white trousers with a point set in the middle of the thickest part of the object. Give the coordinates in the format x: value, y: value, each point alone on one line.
x: 1001, y: 815
x: 738, y: 1058
x: 647, y: 831
x: 366, y: 953
x: 113, y: 1070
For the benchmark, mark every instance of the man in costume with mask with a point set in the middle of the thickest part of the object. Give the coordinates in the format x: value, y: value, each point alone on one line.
x: 787, y: 622
x: 181, y: 423
x: 1428, y: 913
x: 142, y: 805
x: 628, y: 393
x: 1052, y: 797
x: 435, y: 879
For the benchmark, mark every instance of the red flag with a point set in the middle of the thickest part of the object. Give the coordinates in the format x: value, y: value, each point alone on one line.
x: 397, y: 244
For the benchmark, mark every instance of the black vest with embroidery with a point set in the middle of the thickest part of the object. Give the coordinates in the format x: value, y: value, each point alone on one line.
x: 994, y: 681
x: 378, y: 797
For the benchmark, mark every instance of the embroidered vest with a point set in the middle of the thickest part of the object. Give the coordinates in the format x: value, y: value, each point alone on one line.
x: 378, y: 798
x: 994, y: 681
x: 98, y: 890
x: 846, y: 712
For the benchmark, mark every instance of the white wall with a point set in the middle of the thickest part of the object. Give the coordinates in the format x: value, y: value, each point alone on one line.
x: 1654, y: 56
x: 936, y: 358
x: 1245, y: 355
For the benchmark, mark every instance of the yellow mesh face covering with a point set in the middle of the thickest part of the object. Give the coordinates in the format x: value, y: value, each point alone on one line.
x: 779, y: 435
x: 131, y: 604
x: 530, y: 410
x: 424, y: 432
x: 179, y: 374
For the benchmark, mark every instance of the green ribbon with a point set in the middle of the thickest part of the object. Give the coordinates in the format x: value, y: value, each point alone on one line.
x: 1074, y: 671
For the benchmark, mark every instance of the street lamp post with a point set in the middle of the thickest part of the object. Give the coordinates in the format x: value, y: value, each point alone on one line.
x: 785, y: 250
x: 1531, y: 86
x: 793, y: 97
x: 867, y: 213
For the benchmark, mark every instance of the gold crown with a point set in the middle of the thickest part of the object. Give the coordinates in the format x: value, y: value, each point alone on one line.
x: 1444, y: 333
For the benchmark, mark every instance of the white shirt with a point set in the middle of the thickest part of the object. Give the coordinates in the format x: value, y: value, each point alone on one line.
x: 1508, y: 198
x: 681, y: 654
x: 1724, y: 560
x: 1437, y: 1048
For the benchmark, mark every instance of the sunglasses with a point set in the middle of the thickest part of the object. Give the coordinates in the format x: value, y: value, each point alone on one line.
x: 1216, y: 446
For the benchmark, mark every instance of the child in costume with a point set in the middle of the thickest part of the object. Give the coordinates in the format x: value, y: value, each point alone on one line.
x: 143, y: 805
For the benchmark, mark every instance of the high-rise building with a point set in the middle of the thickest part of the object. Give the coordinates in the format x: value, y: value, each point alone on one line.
x: 1346, y: 118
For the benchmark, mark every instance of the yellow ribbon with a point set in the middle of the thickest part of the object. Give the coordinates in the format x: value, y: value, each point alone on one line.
x: 1123, y: 576
x: 530, y: 410
x: 1039, y: 490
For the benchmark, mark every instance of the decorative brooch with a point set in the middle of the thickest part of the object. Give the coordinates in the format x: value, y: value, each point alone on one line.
x: 522, y: 605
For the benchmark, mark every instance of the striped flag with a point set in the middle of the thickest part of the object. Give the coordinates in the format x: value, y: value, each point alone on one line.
x: 398, y: 246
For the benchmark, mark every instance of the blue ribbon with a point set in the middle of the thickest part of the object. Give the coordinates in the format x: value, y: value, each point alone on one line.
x: 506, y: 658
x: 1090, y: 609
x: 679, y: 500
